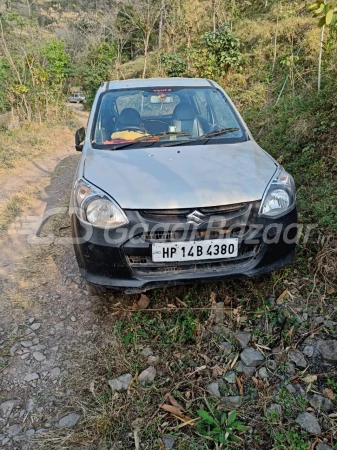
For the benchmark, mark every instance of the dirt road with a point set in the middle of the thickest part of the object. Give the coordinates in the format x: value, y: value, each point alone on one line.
x: 48, y: 324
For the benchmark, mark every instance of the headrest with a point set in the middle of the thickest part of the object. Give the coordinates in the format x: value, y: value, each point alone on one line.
x: 184, y: 111
x: 129, y: 116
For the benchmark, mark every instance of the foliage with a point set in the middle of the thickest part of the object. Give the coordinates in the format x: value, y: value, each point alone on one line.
x: 216, y: 53
x: 326, y: 11
x: 291, y: 440
x: 174, y: 64
x: 219, y: 427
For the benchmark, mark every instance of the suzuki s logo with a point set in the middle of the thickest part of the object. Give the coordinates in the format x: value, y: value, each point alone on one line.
x: 196, y: 218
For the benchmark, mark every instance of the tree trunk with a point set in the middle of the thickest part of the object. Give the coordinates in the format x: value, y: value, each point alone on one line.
x: 320, y: 58
x: 213, y: 15
x: 161, y: 21
x: 276, y: 36
x: 146, y: 51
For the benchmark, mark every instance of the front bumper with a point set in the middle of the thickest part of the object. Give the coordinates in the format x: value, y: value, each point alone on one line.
x: 122, y: 258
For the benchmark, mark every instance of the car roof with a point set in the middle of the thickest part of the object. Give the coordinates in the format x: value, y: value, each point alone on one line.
x: 155, y: 82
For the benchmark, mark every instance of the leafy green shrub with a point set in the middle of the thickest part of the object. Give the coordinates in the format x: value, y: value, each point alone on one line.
x: 220, y: 427
x: 174, y: 64
x: 217, y: 52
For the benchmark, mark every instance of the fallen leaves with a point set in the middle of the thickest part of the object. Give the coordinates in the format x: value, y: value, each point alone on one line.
x: 173, y: 407
x: 328, y: 393
x: 281, y: 297
x: 239, y: 385
x: 143, y: 302
x: 309, y: 379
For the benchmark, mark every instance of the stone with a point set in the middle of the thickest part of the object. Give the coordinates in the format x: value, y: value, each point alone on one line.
x: 232, y: 403
x: 248, y: 371
x: 226, y: 348
x: 290, y: 388
x: 290, y: 368
x: 148, y: 375
x: 230, y: 377
x: 168, y: 442
x: 39, y: 356
x: 328, y: 349
x: 55, y: 372
x: 213, y: 388
x: 69, y: 421
x: 30, y: 432
x: 147, y: 351
x: 309, y: 423
x: 322, y: 446
x: 272, y: 365
x: 31, y: 320
x: 308, y: 351
x: 121, y: 383
x: 263, y: 373
x: 73, y: 318
x: 244, y: 338
x: 7, y: 407
x: 35, y: 326
x: 153, y: 359
x: 221, y: 329
x: 321, y: 403
x: 14, y: 430
x: 31, y: 377
x: 298, y: 358
x: 251, y: 357
x: 26, y: 344
x: 274, y: 408
x: 319, y: 320
x: 14, y: 349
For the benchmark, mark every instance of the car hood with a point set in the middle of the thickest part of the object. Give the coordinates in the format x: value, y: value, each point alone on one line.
x: 183, y: 176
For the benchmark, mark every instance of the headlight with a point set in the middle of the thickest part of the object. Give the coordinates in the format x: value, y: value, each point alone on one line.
x: 280, y: 197
x: 96, y: 207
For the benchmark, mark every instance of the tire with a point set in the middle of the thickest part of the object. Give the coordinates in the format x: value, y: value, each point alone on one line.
x: 96, y: 290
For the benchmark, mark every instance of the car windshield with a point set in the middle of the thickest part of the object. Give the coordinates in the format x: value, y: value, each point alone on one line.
x: 163, y: 115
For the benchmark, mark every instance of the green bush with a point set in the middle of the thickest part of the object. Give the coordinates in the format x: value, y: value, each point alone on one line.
x: 174, y: 65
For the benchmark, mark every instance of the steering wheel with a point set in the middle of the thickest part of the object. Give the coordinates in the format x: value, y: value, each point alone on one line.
x: 132, y: 128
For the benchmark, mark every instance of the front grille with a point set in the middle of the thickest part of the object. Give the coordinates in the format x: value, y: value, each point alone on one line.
x: 143, y: 265
x: 173, y: 236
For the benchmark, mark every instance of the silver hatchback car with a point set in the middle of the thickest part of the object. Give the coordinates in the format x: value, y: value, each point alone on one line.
x: 171, y: 188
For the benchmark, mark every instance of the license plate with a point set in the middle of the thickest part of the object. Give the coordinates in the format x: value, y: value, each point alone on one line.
x: 195, y: 250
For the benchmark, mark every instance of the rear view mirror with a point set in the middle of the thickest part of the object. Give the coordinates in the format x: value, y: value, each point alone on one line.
x: 157, y: 99
x: 79, y: 138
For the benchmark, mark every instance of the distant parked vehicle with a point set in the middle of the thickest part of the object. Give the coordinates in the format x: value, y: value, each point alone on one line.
x: 76, y: 98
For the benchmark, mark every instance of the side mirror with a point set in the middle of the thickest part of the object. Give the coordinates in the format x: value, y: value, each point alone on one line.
x: 79, y: 137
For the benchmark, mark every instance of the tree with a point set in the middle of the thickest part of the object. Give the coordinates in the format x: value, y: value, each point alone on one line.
x: 143, y: 16
x: 326, y: 11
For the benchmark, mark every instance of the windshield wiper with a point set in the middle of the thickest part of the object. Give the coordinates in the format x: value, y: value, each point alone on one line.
x: 163, y: 133
x: 207, y: 136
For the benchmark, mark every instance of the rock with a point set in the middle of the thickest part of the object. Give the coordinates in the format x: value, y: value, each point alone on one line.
x: 226, y: 347
x: 309, y: 423
x: 322, y: 446
x: 248, y: 371
x: 30, y: 432
x: 26, y: 344
x: 168, y: 442
x: 153, y: 360
x: 7, y: 407
x: 39, y: 356
x: 297, y: 357
x: 5, y: 441
x: 251, y: 357
x: 232, y: 403
x: 319, y: 320
x: 31, y: 320
x: 274, y: 408
x: 263, y: 373
x: 31, y: 377
x: 55, y: 372
x: 308, y: 351
x: 73, y: 318
x: 147, y: 351
x: 213, y: 388
x: 321, y: 403
x: 35, y: 326
x: 14, y: 349
x: 272, y: 365
x: 243, y: 338
x: 148, y: 375
x: 230, y: 377
x: 69, y: 421
x: 121, y: 383
x: 221, y: 329
x: 290, y: 368
x: 328, y: 349
x: 290, y: 388
x: 14, y: 430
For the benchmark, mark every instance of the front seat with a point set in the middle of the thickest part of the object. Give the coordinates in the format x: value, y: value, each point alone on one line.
x: 129, y: 117
x: 185, y: 119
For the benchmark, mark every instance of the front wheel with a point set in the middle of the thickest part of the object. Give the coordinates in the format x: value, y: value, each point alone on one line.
x: 96, y: 290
